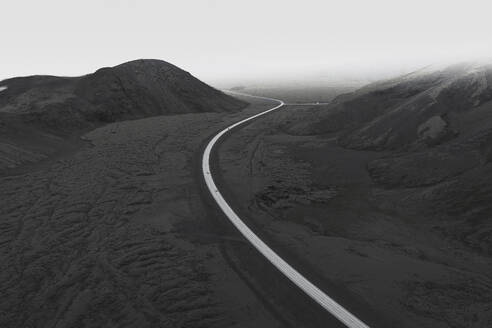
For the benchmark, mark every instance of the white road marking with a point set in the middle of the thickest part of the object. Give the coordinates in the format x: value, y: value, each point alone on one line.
x: 309, y: 288
x: 3, y: 87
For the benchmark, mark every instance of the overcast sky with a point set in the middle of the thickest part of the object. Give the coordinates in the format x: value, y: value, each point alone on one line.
x: 219, y: 39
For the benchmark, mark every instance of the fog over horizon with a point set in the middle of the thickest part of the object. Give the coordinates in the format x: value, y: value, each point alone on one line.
x: 223, y: 41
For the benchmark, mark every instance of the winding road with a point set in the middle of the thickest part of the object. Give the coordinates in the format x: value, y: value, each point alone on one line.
x: 330, y: 305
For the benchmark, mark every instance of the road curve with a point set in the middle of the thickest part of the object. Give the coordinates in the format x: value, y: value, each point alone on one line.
x: 338, y: 311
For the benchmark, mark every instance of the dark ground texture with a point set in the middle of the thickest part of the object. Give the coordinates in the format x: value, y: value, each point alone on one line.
x: 106, y: 224
x: 385, y: 195
x: 43, y: 116
x: 382, y: 198
x: 117, y: 235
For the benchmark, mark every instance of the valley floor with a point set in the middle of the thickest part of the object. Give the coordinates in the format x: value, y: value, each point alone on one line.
x: 122, y: 234
x: 371, y: 248
x: 118, y: 235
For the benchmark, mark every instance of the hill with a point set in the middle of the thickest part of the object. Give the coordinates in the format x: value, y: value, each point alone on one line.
x: 38, y: 114
x: 433, y: 131
x: 426, y: 107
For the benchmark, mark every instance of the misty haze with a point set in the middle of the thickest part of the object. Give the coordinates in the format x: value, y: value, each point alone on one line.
x: 246, y: 164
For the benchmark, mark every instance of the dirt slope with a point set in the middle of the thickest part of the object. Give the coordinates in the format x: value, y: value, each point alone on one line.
x: 37, y: 113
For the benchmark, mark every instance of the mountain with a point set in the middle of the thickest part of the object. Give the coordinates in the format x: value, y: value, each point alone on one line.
x: 38, y: 114
x: 131, y: 90
x: 432, y: 131
x: 422, y: 108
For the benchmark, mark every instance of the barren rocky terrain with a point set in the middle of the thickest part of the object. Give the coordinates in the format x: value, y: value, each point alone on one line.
x: 118, y: 235
x: 109, y: 226
x: 382, y: 198
x: 384, y: 195
x: 39, y: 113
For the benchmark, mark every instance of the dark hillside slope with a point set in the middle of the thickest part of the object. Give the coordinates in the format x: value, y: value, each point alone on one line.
x: 131, y: 90
x: 38, y: 113
x: 425, y: 107
x: 150, y: 87
x: 434, y: 128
